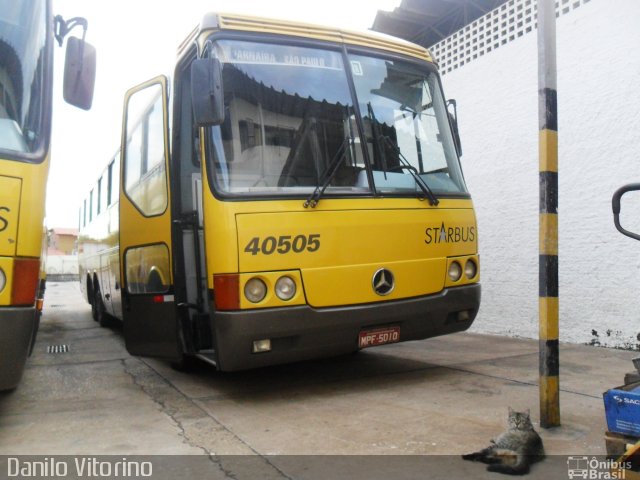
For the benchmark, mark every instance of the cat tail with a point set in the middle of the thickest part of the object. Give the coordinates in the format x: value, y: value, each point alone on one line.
x: 521, y: 467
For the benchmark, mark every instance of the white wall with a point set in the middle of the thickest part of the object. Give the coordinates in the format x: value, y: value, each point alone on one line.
x: 62, y: 265
x: 599, y: 150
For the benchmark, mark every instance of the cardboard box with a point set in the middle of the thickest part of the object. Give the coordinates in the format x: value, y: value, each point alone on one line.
x: 617, y: 444
x: 627, y: 467
x: 622, y: 409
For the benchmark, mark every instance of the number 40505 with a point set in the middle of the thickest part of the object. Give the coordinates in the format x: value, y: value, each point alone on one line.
x: 283, y: 244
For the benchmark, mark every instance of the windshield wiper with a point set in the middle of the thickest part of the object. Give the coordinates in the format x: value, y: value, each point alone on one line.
x: 405, y: 165
x: 331, y: 171
x: 378, y: 139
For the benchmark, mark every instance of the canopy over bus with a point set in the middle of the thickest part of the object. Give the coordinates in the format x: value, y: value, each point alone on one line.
x: 426, y: 22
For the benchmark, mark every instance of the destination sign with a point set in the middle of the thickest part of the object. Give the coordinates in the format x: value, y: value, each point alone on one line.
x: 251, y: 53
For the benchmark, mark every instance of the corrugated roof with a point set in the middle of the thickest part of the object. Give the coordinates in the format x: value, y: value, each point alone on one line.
x: 426, y: 22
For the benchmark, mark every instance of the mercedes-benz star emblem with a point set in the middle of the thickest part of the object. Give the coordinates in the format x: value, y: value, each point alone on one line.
x: 383, y: 282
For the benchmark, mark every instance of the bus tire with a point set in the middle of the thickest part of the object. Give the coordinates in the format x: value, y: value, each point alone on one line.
x: 154, y: 283
x: 91, y: 295
x: 89, y: 291
x: 186, y: 364
x: 102, y: 317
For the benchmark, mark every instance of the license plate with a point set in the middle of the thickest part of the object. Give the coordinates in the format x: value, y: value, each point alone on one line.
x: 370, y: 338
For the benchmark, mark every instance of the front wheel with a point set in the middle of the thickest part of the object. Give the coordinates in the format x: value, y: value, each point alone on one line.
x: 186, y: 364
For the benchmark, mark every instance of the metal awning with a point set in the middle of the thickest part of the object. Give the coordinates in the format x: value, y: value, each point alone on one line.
x: 426, y: 22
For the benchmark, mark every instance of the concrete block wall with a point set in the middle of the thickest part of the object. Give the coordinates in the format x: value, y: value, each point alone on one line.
x: 599, y: 150
x: 62, y: 267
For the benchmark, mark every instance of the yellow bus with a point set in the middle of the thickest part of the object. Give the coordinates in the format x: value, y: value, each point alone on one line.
x: 290, y: 192
x: 27, y: 33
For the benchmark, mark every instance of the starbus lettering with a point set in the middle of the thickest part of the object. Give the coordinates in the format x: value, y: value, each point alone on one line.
x: 444, y: 234
x: 4, y: 223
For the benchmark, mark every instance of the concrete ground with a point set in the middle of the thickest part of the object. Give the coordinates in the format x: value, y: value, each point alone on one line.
x: 394, y: 411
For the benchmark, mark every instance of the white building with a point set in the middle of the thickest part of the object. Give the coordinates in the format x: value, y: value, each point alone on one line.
x: 490, y: 68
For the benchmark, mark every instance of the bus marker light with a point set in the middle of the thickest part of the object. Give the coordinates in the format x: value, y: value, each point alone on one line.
x: 455, y: 271
x: 226, y: 291
x: 26, y: 275
x: 39, y: 304
x: 3, y: 280
x: 261, y: 346
x: 163, y: 298
x: 285, y: 288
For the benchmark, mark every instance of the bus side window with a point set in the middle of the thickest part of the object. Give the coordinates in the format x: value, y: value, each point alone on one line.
x: 91, y: 205
x: 115, y: 179
x: 110, y: 183
x: 144, y: 160
x: 99, y: 197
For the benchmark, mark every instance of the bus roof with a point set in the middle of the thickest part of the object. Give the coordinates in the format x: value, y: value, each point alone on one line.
x: 227, y: 21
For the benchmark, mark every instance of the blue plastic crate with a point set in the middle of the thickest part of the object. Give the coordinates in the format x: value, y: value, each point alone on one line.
x: 622, y: 409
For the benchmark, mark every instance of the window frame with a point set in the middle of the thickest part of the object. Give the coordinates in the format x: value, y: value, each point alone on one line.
x: 141, y: 120
x: 346, y: 51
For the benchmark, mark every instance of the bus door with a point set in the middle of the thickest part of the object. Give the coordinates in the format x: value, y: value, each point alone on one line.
x: 189, y: 255
x: 148, y: 306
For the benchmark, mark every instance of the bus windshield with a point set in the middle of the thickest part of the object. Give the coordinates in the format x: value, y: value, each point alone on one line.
x: 23, y: 30
x: 289, y: 121
x: 290, y: 125
x: 406, y: 125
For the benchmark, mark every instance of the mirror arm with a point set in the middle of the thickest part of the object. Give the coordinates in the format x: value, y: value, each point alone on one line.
x: 615, y: 205
x: 62, y: 27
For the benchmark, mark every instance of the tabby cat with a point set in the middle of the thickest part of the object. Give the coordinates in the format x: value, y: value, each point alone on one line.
x: 515, y: 449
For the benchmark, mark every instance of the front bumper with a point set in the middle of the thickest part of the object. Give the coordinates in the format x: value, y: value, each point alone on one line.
x: 303, y: 333
x: 17, y: 329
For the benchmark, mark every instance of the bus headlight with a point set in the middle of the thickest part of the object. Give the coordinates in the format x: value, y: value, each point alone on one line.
x: 3, y: 280
x: 285, y: 288
x: 470, y: 269
x: 255, y: 290
x: 455, y: 271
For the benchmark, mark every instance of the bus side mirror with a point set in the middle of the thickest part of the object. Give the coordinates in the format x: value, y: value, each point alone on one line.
x: 206, y: 92
x: 79, y: 73
x: 453, y: 120
x: 615, y: 205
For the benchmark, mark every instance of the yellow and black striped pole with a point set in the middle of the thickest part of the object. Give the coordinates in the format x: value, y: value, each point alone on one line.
x: 548, y: 272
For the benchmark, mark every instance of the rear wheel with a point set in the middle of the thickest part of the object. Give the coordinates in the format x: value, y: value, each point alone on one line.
x: 154, y: 283
x: 102, y: 317
x: 92, y: 301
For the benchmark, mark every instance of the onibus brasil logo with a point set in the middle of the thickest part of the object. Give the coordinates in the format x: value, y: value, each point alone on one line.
x: 593, y: 468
